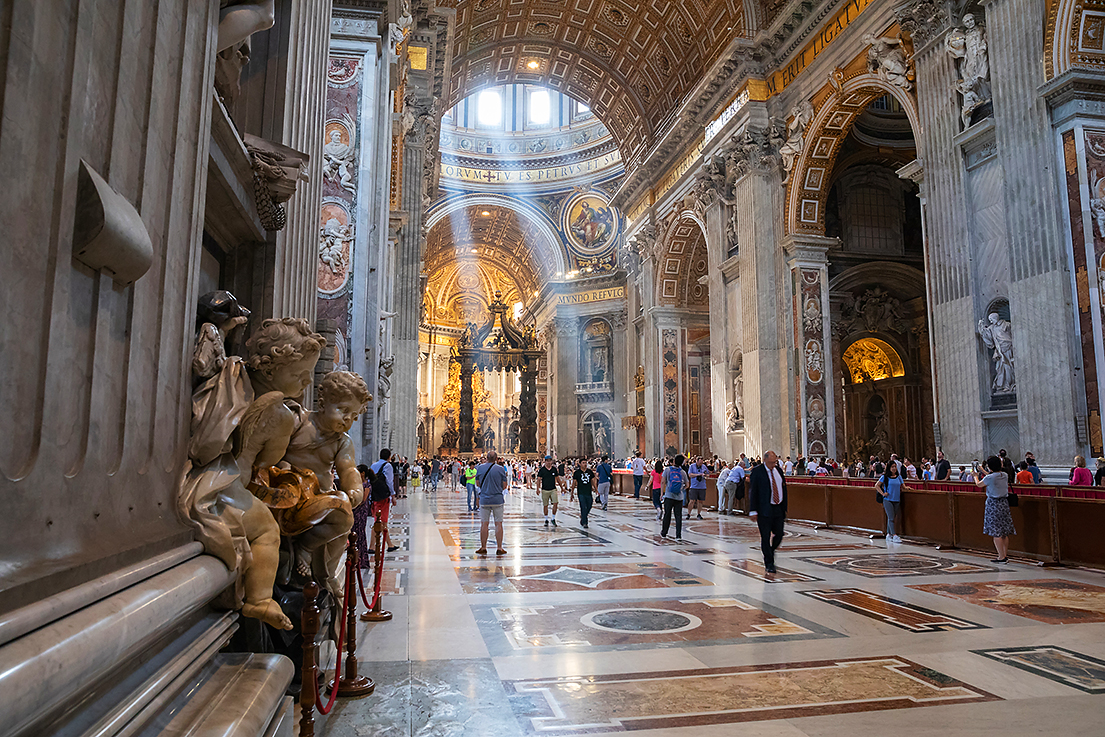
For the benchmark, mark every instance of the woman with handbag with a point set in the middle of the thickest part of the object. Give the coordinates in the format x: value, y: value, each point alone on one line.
x: 889, y: 487
x: 997, y: 522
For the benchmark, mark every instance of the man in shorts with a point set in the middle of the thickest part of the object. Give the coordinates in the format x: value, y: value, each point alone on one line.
x: 491, y: 480
x: 550, y: 478
x: 696, y: 494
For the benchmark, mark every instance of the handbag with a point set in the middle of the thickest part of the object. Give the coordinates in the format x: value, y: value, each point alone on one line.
x: 1013, y: 499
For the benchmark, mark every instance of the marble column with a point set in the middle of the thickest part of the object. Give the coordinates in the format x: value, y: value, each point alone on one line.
x: 815, y: 380
x: 721, y: 350
x: 624, y: 398
x: 308, y: 28
x: 407, y: 295
x: 763, y: 331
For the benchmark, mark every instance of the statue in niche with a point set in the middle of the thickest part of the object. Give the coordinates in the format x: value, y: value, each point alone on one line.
x: 320, y: 524
x: 795, y: 143
x: 598, y: 364
x: 968, y: 46
x: 450, y: 437
x: 887, y: 58
x: 338, y: 165
x: 997, y: 335
x: 488, y: 437
x: 880, y: 440
x: 383, y: 376
x: 732, y: 418
x: 512, y: 437
x: 598, y: 436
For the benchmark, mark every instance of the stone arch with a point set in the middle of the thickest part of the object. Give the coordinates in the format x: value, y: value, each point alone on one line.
x: 1061, y: 39
x: 548, y: 245
x: 683, y: 248
x: 809, y: 182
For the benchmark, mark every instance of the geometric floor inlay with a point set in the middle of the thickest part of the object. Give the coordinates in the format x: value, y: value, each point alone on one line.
x: 1055, y: 663
x: 896, y: 564
x: 499, y: 577
x: 1052, y: 601
x: 891, y: 611
x: 628, y: 625
x: 523, y: 537
x: 755, y: 569
x: 631, y: 701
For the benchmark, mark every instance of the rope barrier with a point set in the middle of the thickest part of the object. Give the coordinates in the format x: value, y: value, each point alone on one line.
x: 341, y: 641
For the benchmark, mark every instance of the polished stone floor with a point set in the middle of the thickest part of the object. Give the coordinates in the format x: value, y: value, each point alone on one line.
x: 613, y: 628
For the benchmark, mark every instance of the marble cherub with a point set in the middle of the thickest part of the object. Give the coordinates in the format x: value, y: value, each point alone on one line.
x: 321, y: 444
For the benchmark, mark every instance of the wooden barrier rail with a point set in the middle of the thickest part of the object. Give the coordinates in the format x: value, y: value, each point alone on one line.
x: 1055, y: 524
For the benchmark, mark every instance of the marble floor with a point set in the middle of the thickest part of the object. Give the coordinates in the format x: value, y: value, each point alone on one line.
x: 613, y: 628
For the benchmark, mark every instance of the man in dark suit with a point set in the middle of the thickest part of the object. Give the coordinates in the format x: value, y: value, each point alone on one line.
x: 767, y: 496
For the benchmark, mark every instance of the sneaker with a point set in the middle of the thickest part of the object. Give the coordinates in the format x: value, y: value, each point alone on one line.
x: 546, y: 523
x: 700, y: 516
x: 1000, y: 560
x: 554, y: 523
x: 678, y: 539
x: 897, y: 538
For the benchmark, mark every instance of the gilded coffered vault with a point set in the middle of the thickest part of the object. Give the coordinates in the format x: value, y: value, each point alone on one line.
x: 633, y: 63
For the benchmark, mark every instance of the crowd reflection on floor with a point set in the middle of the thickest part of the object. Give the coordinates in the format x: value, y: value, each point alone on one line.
x: 614, y: 628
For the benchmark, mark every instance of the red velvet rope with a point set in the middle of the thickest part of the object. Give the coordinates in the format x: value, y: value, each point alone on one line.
x: 341, y: 641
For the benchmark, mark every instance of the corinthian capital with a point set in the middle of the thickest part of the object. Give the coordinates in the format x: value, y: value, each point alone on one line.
x: 923, y: 20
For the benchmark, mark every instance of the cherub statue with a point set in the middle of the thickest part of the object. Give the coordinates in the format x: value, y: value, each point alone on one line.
x: 320, y: 525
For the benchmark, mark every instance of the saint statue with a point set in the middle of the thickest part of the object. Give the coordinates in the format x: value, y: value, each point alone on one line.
x: 887, y: 58
x: 792, y: 147
x: 598, y: 433
x: 997, y: 335
x: 968, y: 44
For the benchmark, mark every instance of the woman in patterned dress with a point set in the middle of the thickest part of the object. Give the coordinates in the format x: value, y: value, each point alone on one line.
x: 997, y: 522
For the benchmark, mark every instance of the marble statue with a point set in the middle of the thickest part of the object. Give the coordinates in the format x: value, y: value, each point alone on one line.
x: 880, y: 442
x: 997, y: 335
x: 240, y: 19
x: 792, y: 147
x: 488, y: 437
x: 887, y: 58
x: 319, y: 527
x: 383, y: 376
x: 241, y: 426
x: 338, y: 165
x: 732, y: 418
x: 968, y: 45
x: 599, y: 436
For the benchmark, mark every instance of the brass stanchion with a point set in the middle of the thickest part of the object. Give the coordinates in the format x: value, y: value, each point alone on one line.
x: 309, y: 675
x: 377, y: 613
x: 351, y: 684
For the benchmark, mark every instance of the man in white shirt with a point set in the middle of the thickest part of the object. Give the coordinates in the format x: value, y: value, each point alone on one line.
x: 734, y: 488
x: 638, y: 466
x: 788, y: 467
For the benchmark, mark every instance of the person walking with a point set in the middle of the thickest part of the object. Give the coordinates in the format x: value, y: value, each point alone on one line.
x: 435, y: 473
x: 890, y: 486
x: 491, y: 479
x: 1080, y: 475
x: 697, y: 488
x: 605, y: 474
x: 767, y: 498
x: 361, y: 513
x: 997, y: 520
x: 470, y: 487
x: 674, y: 483
x: 584, y: 479
x: 638, y: 466
x: 382, y: 483
x: 550, y: 479
x: 657, y: 487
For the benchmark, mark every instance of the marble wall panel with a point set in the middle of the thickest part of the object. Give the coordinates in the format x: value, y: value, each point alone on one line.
x: 95, y: 397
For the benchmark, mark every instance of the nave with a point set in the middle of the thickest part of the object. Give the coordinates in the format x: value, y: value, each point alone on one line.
x: 614, y: 628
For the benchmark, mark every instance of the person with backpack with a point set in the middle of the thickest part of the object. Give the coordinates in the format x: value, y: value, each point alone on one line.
x: 674, y: 483
x: 382, y: 484
x: 605, y: 474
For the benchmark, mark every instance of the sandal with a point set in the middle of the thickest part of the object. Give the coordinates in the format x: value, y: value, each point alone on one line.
x: 481, y: 551
x: 500, y: 551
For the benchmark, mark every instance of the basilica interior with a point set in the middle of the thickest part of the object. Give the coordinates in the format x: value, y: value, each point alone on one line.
x: 253, y: 245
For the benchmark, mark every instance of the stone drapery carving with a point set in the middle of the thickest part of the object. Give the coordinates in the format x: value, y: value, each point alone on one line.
x: 923, y: 20
x: 338, y: 158
x: 997, y: 335
x: 383, y: 376
x: 968, y: 46
x: 277, y: 170
x: 872, y: 311
x: 792, y: 147
x: 887, y: 57
x: 1097, y: 202
x: 732, y: 418
x: 599, y: 436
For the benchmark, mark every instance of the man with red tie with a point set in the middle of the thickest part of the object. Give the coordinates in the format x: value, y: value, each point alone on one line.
x: 767, y: 496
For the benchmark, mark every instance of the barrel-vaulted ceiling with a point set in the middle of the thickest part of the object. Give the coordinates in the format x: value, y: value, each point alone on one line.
x: 478, y: 249
x: 632, y: 61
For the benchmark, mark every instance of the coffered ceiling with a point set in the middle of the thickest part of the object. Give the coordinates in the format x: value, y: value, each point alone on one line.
x: 632, y: 61
x: 470, y: 254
